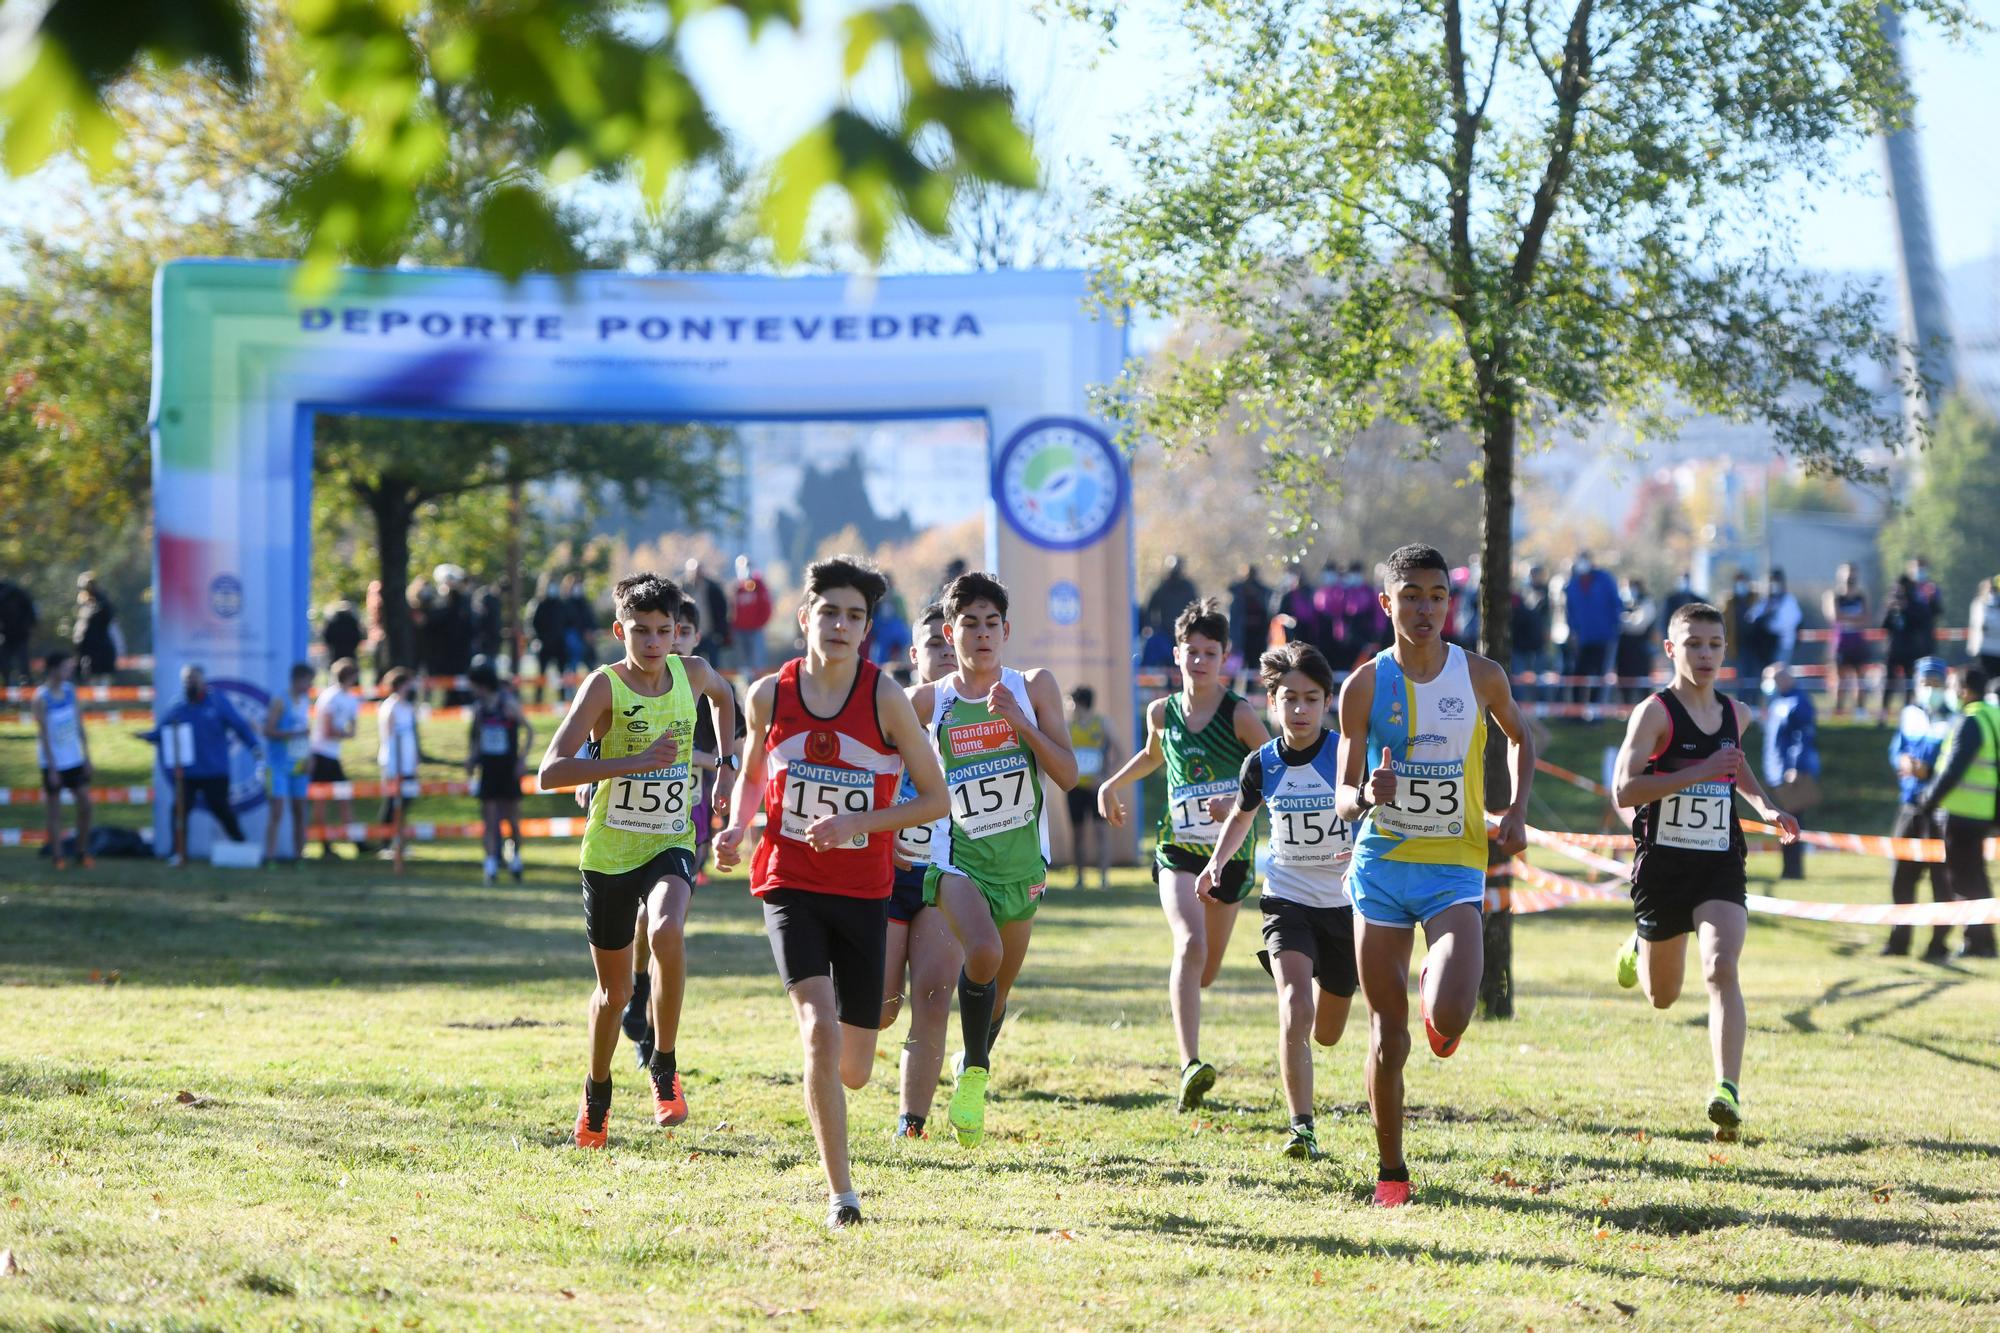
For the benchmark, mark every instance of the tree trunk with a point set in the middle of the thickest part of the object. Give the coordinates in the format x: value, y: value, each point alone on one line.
x: 512, y: 607
x: 394, y: 511
x: 1496, y: 640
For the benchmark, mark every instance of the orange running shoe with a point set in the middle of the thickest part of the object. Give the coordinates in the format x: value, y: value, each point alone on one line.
x: 1441, y: 1046
x: 88, y: 862
x: 1391, y: 1193
x: 587, y: 1134
x: 670, y: 1108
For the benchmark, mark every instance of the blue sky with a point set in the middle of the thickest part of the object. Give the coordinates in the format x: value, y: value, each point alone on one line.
x: 1101, y: 94
x: 769, y: 93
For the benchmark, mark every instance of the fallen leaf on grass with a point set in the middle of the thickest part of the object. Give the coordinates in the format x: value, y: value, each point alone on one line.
x: 1881, y: 1193
x: 9, y: 1265
x: 1627, y: 1310
x: 1062, y: 1235
x: 186, y: 1098
x: 392, y: 1240
x: 567, y: 1294
x: 1718, y: 1159
x: 1741, y: 1299
x: 1603, y: 1233
x: 157, y: 1198
x: 1319, y: 1278
x: 1640, y: 1136
x: 17, y: 1202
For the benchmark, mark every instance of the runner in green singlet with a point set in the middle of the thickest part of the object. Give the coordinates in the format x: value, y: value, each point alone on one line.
x: 999, y: 732
x: 1202, y: 734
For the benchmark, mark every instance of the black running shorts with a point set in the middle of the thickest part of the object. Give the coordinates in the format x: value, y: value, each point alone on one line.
x: 1235, y: 881
x: 1664, y: 895
x: 906, y: 899
x: 1323, y: 934
x: 611, y: 901
x: 325, y: 769
x: 828, y: 934
x: 65, y: 779
x: 499, y: 780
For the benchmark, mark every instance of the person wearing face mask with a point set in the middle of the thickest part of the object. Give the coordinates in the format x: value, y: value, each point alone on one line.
x: 1791, y: 754
x: 1913, y: 752
x: 1744, y: 636
x: 211, y: 721
x: 1367, y: 628
x: 1968, y: 774
x: 1683, y: 594
x: 1781, y: 616
x: 1594, y: 610
x: 1982, y: 628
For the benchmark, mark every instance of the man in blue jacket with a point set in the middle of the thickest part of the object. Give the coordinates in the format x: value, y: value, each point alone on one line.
x: 210, y: 720
x: 1791, y: 750
x: 1591, y: 609
x: 1913, y: 752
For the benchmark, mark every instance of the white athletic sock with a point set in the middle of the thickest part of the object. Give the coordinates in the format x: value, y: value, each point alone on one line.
x: 848, y: 1200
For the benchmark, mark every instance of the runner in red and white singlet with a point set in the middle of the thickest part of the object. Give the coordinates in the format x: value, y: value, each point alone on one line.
x: 830, y: 736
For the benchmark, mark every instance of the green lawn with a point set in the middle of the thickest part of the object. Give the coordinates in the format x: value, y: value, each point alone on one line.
x: 382, y: 1074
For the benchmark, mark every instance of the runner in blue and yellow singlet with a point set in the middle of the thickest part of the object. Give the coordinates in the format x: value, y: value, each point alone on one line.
x: 1413, y: 782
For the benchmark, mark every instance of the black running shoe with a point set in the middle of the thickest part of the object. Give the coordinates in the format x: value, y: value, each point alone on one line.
x: 634, y: 1018
x: 643, y: 1048
x: 843, y: 1215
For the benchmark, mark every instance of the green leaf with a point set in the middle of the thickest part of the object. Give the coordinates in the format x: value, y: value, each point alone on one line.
x: 800, y: 173
x: 519, y: 233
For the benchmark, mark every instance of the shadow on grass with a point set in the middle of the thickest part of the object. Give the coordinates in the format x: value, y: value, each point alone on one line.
x: 331, y: 926
x: 1340, y: 1247
x: 1850, y: 988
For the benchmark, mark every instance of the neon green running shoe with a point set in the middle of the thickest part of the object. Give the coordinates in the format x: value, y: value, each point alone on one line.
x: 1303, y: 1145
x: 967, y: 1111
x: 1196, y: 1080
x: 1725, y: 1108
x: 1628, y: 961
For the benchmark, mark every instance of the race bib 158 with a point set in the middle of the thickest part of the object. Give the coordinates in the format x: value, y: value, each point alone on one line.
x: 655, y: 803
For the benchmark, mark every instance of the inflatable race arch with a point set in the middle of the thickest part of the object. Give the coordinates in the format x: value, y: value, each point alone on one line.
x: 241, y: 367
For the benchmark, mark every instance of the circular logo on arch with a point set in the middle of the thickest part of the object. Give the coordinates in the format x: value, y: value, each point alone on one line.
x: 247, y: 787
x: 1065, y: 603
x: 225, y: 596
x: 1060, y: 483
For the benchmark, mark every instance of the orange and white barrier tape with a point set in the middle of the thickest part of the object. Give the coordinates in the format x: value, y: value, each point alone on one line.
x: 100, y: 795
x: 111, y: 718
x: 94, y: 694
x: 318, y: 791
x: 1550, y: 890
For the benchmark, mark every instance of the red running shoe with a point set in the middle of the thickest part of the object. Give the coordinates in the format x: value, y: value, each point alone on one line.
x: 589, y: 1135
x: 1441, y: 1046
x: 670, y: 1108
x: 1391, y: 1193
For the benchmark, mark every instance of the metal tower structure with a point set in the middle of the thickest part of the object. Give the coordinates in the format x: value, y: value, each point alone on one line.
x: 1926, y: 318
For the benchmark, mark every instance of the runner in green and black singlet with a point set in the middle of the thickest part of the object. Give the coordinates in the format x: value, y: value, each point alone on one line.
x: 1202, y: 734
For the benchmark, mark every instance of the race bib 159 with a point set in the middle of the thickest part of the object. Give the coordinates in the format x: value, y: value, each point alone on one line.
x: 820, y: 791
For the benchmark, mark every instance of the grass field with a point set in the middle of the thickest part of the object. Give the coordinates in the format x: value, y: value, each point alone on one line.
x: 379, y: 1075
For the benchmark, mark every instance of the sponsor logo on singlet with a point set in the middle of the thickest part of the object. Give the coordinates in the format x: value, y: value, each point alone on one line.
x: 981, y: 738
x: 1451, y: 706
